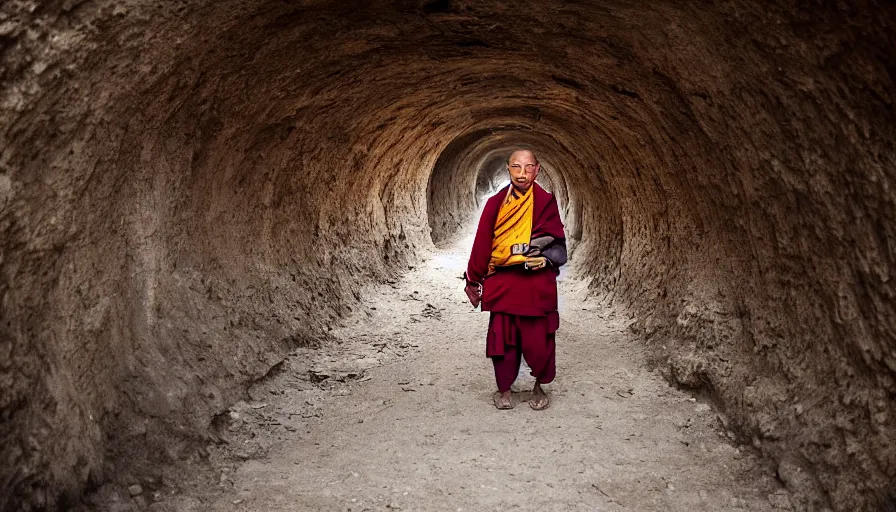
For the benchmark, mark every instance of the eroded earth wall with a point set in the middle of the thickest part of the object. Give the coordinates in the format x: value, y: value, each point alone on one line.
x: 189, y: 190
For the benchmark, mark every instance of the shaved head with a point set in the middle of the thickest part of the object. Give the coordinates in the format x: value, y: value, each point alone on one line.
x: 522, y: 152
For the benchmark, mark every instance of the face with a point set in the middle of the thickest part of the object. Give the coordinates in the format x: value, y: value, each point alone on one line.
x: 523, y: 168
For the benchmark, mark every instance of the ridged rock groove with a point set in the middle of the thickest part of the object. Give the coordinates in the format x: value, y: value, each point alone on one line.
x: 189, y: 190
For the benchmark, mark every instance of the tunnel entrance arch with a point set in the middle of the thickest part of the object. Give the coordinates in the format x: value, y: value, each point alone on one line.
x: 492, y: 175
x: 472, y: 167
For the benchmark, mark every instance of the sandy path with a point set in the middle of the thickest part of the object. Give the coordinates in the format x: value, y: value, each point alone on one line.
x: 403, y: 420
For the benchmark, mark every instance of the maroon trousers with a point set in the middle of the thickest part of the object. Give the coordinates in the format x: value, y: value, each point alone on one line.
x: 512, y: 337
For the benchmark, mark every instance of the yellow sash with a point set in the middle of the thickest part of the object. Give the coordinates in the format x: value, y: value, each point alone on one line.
x: 514, y: 226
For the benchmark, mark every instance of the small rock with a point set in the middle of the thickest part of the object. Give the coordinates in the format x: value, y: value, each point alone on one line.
x: 725, y: 450
x: 780, y: 501
x: 135, y: 490
x: 7, y: 28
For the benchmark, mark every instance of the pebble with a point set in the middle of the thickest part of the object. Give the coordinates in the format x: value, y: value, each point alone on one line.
x: 135, y: 490
x: 779, y: 501
x: 7, y: 28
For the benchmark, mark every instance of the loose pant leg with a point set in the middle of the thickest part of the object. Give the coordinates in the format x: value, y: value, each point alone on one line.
x: 538, y: 347
x: 547, y: 372
x: 507, y: 367
x: 503, y: 347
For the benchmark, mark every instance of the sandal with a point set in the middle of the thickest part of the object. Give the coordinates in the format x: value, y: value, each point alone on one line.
x: 500, y: 404
x: 540, y: 404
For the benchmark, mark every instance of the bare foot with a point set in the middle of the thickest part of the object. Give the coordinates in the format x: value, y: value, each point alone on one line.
x: 502, y: 400
x: 539, y: 400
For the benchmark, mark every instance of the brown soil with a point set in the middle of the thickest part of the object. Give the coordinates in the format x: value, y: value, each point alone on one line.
x: 397, y: 415
x: 192, y: 190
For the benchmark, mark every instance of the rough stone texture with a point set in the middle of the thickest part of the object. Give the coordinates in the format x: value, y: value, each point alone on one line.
x: 190, y: 189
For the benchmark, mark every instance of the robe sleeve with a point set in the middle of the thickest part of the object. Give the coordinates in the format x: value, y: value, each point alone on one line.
x: 551, y: 225
x: 481, y: 254
x: 556, y: 254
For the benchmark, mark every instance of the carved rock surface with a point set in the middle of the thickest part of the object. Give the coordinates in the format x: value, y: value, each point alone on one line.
x: 189, y: 190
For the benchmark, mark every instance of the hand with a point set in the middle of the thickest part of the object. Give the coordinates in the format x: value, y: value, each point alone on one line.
x: 474, y: 293
x: 536, y: 262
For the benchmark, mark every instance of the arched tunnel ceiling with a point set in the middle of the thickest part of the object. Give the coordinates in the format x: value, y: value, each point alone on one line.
x: 475, y: 161
x: 189, y: 190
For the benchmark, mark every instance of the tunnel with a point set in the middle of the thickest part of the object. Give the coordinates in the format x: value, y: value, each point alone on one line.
x: 189, y: 190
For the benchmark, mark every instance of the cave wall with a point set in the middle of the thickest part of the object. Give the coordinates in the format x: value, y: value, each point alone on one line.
x: 188, y: 191
x: 793, y: 334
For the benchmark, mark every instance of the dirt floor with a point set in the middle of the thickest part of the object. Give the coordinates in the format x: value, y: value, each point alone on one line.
x: 397, y: 415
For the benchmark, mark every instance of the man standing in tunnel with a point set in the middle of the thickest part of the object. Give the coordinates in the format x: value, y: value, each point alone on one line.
x: 512, y: 272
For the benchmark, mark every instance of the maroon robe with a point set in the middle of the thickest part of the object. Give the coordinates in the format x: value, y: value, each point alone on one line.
x: 523, y: 302
x: 516, y: 291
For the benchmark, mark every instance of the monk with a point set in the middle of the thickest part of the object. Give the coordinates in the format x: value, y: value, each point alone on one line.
x: 516, y: 256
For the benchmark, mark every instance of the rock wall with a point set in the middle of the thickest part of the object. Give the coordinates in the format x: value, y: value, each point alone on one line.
x: 189, y: 190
